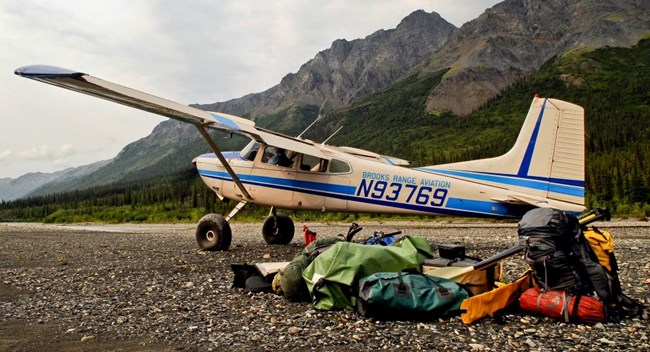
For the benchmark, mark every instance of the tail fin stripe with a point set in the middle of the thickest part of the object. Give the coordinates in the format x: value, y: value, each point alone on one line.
x: 525, y: 163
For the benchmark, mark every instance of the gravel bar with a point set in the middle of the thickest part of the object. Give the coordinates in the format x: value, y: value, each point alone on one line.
x: 148, y: 288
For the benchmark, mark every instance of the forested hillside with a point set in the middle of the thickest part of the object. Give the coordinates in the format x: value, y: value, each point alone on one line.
x: 612, y: 84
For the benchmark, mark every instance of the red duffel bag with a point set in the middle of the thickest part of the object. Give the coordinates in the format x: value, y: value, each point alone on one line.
x: 559, y: 304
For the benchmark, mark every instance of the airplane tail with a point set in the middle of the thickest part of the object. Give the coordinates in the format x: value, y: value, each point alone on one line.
x: 545, y: 167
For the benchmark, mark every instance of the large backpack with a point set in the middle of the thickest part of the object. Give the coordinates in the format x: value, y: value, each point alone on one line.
x: 549, y: 236
x: 564, y: 257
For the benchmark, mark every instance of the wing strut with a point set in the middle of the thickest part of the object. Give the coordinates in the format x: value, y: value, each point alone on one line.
x: 224, y: 162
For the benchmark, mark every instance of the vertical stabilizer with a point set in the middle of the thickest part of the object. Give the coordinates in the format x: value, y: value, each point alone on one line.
x: 546, y: 165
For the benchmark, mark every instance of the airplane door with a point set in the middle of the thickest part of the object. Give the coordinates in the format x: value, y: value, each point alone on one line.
x: 338, y: 182
x: 308, y: 186
x: 337, y: 201
x: 243, y: 173
x: 271, y: 184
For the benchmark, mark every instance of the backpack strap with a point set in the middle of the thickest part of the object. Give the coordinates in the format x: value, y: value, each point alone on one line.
x: 576, y: 254
x: 627, y: 306
x: 576, y: 306
x: 566, y: 299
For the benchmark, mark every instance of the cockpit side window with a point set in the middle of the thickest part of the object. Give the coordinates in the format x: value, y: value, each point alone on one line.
x: 312, y: 163
x: 250, y: 150
x: 278, y: 156
x: 339, y: 166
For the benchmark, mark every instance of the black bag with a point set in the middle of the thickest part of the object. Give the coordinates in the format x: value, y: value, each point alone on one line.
x: 409, y: 296
x: 248, y: 277
x: 550, y: 236
x: 562, y: 227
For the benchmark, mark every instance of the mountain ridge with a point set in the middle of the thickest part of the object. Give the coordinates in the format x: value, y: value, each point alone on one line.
x: 512, y: 39
x: 349, y: 69
x: 27, y: 184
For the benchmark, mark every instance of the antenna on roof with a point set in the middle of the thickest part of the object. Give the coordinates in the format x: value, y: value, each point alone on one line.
x: 332, y: 135
x: 320, y: 115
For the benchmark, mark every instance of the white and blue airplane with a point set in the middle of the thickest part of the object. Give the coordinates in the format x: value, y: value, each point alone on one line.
x: 544, y: 168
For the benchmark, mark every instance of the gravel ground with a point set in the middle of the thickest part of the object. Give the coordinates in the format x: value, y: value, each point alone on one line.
x: 148, y: 288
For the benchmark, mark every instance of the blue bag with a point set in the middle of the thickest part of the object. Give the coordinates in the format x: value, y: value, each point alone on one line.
x: 409, y: 296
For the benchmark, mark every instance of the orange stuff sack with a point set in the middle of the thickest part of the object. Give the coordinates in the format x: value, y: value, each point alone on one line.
x: 559, y: 304
x: 488, y: 303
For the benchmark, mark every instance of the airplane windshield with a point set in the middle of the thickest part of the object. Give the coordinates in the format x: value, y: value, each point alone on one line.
x: 250, y: 150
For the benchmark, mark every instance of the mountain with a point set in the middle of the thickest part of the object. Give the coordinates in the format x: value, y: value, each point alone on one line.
x: 24, y: 185
x: 350, y: 69
x: 514, y: 38
x: 458, y: 70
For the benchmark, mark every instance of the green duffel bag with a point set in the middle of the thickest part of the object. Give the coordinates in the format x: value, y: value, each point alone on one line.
x: 409, y: 296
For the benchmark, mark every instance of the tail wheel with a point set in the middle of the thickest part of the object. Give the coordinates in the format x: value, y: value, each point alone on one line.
x: 213, y: 233
x: 278, y: 229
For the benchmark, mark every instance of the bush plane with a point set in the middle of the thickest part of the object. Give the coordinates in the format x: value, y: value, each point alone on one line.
x: 544, y: 168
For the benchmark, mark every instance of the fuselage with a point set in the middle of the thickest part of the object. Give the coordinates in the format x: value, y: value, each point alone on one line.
x: 349, y: 183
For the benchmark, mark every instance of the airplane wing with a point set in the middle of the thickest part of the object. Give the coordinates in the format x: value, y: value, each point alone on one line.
x: 87, y: 84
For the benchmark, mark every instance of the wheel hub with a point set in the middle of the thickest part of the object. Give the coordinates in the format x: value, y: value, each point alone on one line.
x: 210, y: 235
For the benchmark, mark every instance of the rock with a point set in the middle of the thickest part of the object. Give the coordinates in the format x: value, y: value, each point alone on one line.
x: 87, y: 338
x: 605, y: 341
x: 476, y: 347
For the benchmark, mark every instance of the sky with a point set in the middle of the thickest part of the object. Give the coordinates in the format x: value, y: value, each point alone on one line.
x: 191, y: 51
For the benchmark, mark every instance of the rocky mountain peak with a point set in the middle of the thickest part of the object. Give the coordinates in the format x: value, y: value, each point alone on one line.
x: 514, y: 38
x: 349, y: 69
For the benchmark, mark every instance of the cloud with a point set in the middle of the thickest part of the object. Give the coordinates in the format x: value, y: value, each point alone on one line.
x: 6, y: 154
x: 35, y: 153
x: 66, y: 150
x: 40, y: 152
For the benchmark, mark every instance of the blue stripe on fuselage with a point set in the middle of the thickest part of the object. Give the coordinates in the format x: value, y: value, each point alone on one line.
x: 573, y: 188
x: 454, y: 206
x: 227, y: 155
x: 283, y: 183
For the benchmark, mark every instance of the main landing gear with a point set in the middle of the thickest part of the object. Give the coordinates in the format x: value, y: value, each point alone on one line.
x: 278, y: 229
x: 213, y: 231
